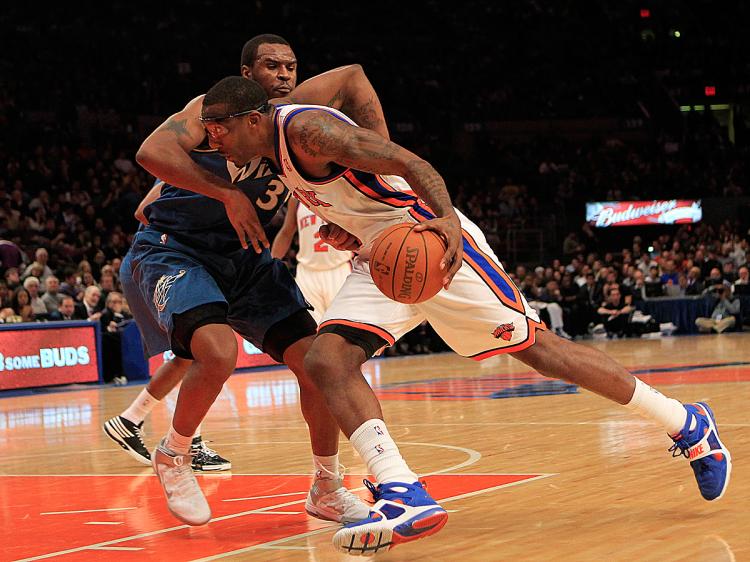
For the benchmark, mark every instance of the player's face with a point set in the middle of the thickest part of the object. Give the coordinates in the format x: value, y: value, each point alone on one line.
x: 275, y: 69
x: 232, y: 137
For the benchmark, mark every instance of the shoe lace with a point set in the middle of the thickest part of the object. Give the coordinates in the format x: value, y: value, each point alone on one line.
x: 374, y: 490
x: 680, y: 448
x: 202, y: 448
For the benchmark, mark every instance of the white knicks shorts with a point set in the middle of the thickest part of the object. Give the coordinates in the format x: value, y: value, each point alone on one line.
x: 482, y: 314
x: 320, y: 286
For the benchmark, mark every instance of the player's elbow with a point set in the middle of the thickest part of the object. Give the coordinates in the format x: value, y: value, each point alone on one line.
x: 144, y: 156
x: 355, y: 69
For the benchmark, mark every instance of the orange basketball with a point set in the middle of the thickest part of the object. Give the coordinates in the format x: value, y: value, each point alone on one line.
x: 405, y: 265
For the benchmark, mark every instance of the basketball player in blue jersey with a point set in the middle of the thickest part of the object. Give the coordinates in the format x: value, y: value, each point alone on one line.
x: 362, y: 182
x: 190, y: 280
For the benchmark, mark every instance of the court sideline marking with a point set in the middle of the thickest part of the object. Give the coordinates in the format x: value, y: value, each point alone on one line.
x: 474, y: 457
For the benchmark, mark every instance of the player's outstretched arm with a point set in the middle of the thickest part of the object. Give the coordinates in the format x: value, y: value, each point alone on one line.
x: 165, y: 155
x: 346, y: 88
x: 319, y: 138
x: 283, y: 239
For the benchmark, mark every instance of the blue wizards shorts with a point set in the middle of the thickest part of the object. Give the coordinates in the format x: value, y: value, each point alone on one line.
x: 162, y: 277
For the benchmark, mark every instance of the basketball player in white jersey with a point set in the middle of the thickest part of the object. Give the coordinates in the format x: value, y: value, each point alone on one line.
x: 363, y: 183
x: 321, y: 269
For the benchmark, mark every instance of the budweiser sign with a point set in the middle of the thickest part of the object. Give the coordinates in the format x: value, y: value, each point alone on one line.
x: 631, y: 213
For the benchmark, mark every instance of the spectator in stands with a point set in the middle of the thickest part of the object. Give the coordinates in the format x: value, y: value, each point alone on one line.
x: 31, y: 284
x: 590, y: 296
x: 637, y: 286
x: 615, y: 314
x: 111, y: 319
x: 653, y: 275
x: 52, y: 297
x: 89, y: 308
x: 20, y: 307
x: 728, y: 272
x: 742, y: 285
x: 551, y: 298
x: 41, y: 257
x: 669, y: 274
x: 12, y: 278
x: 707, y: 264
x: 694, y: 284
x: 87, y: 280
x: 113, y: 313
x: 743, y: 275
x: 65, y: 311
x: 723, y: 314
x: 106, y: 284
x: 739, y: 250
x: 70, y: 285
x: 715, y: 283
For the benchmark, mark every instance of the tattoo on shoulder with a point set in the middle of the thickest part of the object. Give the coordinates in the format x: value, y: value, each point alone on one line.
x: 317, y: 136
x: 177, y: 126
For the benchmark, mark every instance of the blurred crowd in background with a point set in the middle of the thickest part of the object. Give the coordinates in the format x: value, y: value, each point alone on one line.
x: 609, y: 103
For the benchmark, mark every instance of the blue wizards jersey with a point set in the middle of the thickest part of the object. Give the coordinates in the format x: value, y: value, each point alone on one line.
x: 201, y: 221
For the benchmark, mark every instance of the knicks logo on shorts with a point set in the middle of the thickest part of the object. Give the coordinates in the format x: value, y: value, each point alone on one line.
x: 504, y: 331
x: 163, y: 285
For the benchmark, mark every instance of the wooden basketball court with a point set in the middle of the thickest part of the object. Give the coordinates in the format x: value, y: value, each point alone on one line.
x: 530, y: 469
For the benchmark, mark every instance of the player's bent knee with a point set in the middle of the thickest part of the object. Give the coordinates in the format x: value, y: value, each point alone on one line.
x: 185, y: 324
x: 315, y: 363
x: 331, y: 358
x: 215, y: 345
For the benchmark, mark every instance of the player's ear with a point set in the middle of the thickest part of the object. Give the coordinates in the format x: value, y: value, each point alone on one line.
x: 246, y: 72
x: 254, y: 118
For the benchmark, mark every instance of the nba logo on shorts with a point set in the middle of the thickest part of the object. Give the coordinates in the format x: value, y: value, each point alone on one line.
x: 504, y: 331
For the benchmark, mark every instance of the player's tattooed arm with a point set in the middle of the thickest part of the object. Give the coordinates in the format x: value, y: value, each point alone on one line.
x: 183, y: 129
x: 346, y: 88
x: 320, y: 138
x: 176, y: 125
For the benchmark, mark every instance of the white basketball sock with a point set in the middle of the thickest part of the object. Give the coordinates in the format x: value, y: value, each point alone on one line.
x: 374, y: 444
x: 328, y: 466
x: 652, y: 404
x: 177, y: 442
x: 140, y: 407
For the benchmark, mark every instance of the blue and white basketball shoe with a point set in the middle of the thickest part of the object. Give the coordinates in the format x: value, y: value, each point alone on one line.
x: 402, y: 513
x: 710, y: 460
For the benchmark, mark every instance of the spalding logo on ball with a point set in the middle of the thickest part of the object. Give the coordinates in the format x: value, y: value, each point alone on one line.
x: 405, y: 264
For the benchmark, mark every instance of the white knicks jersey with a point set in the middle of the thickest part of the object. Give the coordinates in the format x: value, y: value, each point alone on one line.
x: 313, y: 252
x: 362, y: 203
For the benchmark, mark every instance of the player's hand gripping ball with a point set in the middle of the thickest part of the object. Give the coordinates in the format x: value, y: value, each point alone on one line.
x: 405, y: 265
